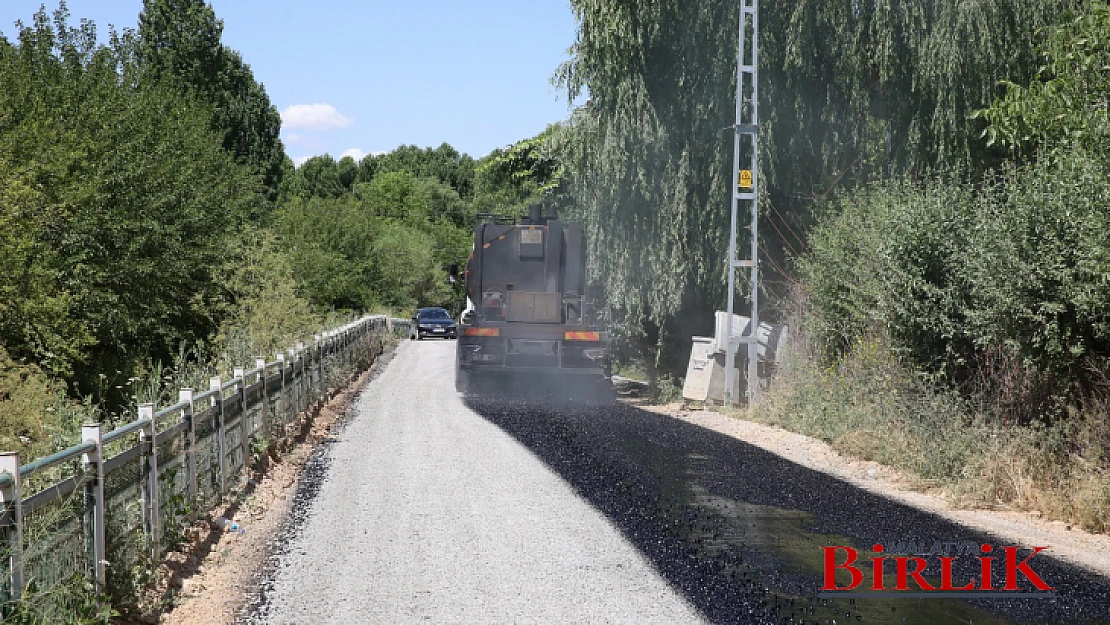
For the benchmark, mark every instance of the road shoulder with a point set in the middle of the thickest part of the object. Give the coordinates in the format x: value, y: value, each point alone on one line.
x: 1070, y: 544
x: 211, y: 580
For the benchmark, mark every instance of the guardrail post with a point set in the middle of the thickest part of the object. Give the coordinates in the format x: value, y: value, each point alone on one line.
x: 302, y: 386
x: 12, y: 499
x: 190, y: 453
x: 295, y: 403
x: 282, y: 395
x: 344, y: 344
x: 94, y: 503
x: 217, y: 385
x: 314, y: 371
x: 244, y: 422
x: 260, y: 364
x: 320, y: 354
x: 327, y: 345
x: 149, y: 437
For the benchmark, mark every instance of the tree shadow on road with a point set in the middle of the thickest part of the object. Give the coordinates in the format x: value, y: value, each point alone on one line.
x: 738, y: 530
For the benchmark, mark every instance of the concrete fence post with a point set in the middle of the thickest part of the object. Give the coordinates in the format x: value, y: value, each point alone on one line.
x: 190, y: 448
x: 94, y: 503
x: 151, y: 500
x: 282, y: 401
x: 318, y: 349
x: 244, y: 422
x: 302, y: 385
x: 295, y: 402
x: 217, y: 386
x: 260, y: 364
x: 346, y: 351
x: 12, y: 499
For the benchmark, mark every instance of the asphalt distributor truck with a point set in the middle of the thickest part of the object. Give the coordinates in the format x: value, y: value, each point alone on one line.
x: 533, y: 322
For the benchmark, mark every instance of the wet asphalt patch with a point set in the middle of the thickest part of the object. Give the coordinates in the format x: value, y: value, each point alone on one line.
x: 739, y: 530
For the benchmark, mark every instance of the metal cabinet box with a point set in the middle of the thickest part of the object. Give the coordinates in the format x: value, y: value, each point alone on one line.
x: 535, y: 307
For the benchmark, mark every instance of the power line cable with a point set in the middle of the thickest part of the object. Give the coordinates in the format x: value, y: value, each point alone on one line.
x: 801, y: 241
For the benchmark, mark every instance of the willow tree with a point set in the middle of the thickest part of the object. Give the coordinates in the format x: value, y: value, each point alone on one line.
x: 849, y: 91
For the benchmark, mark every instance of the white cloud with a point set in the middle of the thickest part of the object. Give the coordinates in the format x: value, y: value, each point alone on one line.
x: 300, y: 160
x: 314, y: 117
x: 292, y: 138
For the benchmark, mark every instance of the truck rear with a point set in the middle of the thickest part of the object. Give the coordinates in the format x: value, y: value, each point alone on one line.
x: 532, y: 319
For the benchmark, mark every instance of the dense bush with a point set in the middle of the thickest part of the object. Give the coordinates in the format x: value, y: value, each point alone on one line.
x: 1010, y: 278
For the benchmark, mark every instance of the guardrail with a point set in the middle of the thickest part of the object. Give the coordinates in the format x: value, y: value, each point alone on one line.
x: 156, y: 473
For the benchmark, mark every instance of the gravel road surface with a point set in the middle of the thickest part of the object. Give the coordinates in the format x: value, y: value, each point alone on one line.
x: 430, y: 513
x: 431, y: 508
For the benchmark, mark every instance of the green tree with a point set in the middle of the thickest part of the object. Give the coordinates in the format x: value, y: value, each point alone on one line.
x: 347, y: 170
x: 444, y: 163
x: 265, y: 313
x: 510, y: 179
x: 1069, y: 101
x: 988, y: 288
x: 180, y: 41
x: 848, y: 93
x: 316, y: 177
x: 381, y: 251
x: 122, y: 195
x: 367, y: 167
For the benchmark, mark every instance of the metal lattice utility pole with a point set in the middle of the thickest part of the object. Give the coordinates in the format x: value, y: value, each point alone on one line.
x: 745, y: 188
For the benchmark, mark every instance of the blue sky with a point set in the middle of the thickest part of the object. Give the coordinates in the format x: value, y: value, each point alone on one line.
x: 365, y: 76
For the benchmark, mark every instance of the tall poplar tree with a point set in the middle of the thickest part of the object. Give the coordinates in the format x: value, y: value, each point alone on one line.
x: 180, y: 42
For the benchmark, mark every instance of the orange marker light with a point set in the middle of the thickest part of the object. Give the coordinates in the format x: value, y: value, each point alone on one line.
x: 482, y: 332
x: 582, y: 336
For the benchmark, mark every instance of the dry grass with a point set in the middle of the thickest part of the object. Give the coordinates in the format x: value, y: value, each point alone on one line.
x: 872, y: 407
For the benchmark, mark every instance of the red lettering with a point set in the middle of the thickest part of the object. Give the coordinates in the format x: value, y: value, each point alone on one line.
x: 877, y: 569
x: 831, y: 567
x: 985, y: 569
x: 1013, y: 566
x: 920, y: 565
x: 946, y: 576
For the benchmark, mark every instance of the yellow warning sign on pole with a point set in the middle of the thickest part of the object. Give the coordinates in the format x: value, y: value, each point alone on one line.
x: 745, y: 178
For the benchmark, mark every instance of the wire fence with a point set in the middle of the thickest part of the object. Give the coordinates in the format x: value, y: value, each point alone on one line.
x: 120, y: 499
